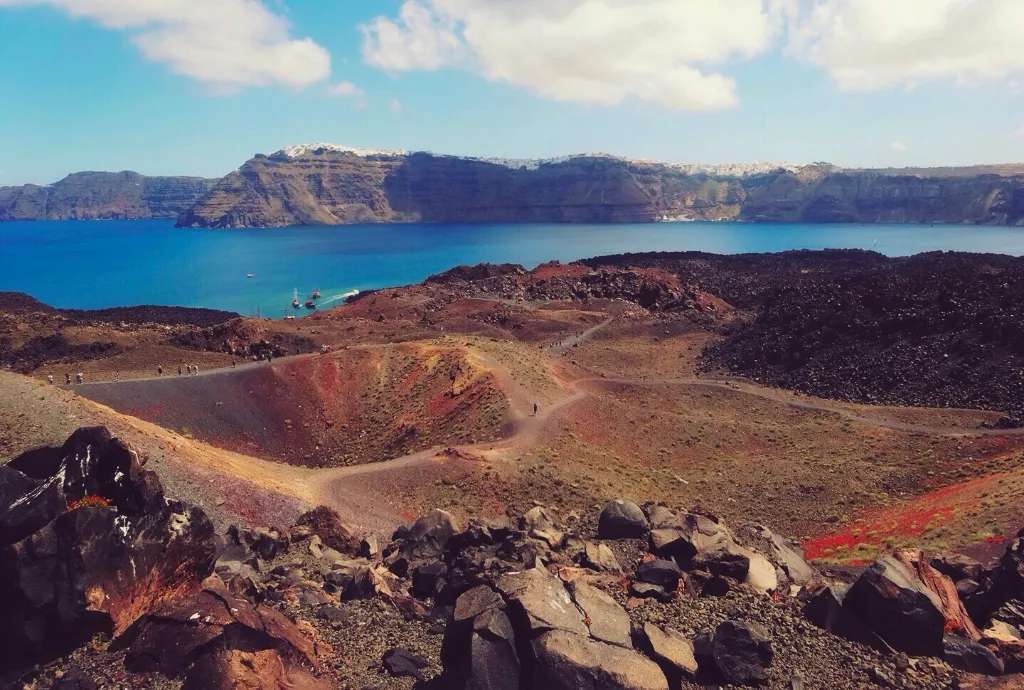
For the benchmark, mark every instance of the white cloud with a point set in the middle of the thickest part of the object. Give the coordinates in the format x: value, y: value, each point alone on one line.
x: 590, y: 51
x: 419, y: 39
x: 898, y: 146
x: 395, y: 105
x: 348, y: 90
x: 224, y: 43
x: 344, y: 88
x: 870, y: 44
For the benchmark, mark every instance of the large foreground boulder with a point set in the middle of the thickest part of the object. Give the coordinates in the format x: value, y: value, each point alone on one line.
x: 532, y: 631
x: 891, y: 598
x: 564, y: 661
x: 215, y: 639
x: 1003, y: 585
x: 621, y: 519
x: 115, y: 549
x: 740, y: 652
x: 91, y: 468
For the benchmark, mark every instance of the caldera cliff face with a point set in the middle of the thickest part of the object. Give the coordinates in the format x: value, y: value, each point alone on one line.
x: 335, y: 186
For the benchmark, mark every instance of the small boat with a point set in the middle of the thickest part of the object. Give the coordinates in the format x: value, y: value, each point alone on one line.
x: 310, y: 304
x: 315, y: 294
x: 295, y: 298
x: 249, y: 275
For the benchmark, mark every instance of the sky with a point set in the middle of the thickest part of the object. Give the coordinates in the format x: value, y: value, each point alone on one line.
x: 190, y: 87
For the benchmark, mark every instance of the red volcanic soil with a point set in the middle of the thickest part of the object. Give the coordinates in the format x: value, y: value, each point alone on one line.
x: 353, y: 406
x: 968, y: 516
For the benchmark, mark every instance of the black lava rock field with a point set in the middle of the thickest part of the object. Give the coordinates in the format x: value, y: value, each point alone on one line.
x: 936, y: 329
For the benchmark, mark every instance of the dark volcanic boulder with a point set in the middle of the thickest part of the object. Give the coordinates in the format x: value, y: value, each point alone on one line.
x: 113, y: 548
x: 215, y: 639
x: 893, y: 602
x: 742, y: 652
x: 823, y: 606
x: 493, y: 659
x: 479, y: 646
x: 957, y: 567
x: 428, y: 537
x: 92, y: 570
x: 327, y: 524
x: 659, y: 572
x: 968, y: 655
x: 1004, y: 584
x: 399, y: 661
x: 40, y: 462
x: 27, y: 504
x: 620, y: 519
x: 90, y: 468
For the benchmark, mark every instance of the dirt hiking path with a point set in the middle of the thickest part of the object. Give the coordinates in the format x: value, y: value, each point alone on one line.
x: 370, y: 496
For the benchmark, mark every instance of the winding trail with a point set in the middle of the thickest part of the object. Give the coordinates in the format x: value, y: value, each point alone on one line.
x: 361, y: 495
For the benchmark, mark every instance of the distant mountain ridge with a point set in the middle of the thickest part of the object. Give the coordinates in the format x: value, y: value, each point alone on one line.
x: 103, y: 195
x: 331, y: 184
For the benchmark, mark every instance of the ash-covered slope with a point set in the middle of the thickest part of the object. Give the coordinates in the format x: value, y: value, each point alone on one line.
x: 326, y: 184
x: 102, y: 195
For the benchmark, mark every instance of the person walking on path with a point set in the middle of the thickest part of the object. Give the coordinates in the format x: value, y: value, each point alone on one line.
x: 534, y: 409
x: 179, y: 370
x: 79, y: 378
x: 67, y: 379
x: 49, y: 377
x: 159, y: 370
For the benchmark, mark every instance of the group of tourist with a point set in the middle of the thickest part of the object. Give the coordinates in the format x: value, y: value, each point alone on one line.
x: 79, y: 378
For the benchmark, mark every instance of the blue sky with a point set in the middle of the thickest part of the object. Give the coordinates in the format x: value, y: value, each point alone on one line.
x: 92, y: 92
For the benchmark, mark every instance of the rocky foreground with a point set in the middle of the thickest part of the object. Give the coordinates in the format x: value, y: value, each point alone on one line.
x: 108, y: 583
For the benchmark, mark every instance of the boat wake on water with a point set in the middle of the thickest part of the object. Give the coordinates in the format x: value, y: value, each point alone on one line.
x: 340, y: 297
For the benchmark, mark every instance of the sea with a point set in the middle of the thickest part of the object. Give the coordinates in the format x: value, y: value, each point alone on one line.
x: 94, y: 264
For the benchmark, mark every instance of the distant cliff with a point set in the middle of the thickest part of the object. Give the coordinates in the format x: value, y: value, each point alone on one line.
x: 93, y: 195
x: 332, y: 185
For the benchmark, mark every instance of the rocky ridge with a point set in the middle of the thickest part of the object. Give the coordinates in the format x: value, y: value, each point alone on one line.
x: 103, y: 195
x: 107, y: 581
x: 327, y: 184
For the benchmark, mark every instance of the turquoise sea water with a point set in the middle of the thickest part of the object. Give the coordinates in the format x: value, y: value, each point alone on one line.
x: 92, y: 264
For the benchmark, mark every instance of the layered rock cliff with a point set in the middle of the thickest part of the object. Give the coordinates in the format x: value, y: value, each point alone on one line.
x: 94, y: 195
x: 332, y: 185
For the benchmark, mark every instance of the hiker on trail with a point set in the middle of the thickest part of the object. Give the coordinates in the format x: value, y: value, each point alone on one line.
x: 534, y: 409
x: 67, y: 379
x: 78, y: 377
x: 195, y: 370
x: 159, y: 370
x: 232, y: 361
x: 49, y: 377
x: 179, y: 370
